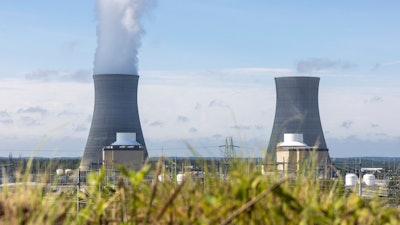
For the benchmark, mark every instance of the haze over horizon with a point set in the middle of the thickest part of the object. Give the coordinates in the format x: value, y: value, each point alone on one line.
x: 206, y: 72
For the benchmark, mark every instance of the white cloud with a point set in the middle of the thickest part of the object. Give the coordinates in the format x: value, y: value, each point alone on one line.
x: 164, y: 103
x: 5, y: 117
x: 256, y: 70
x: 37, y: 109
x: 33, y: 109
x: 378, y: 65
x: 57, y: 75
x: 347, y: 124
x: 321, y: 64
x: 183, y: 119
x: 349, y: 112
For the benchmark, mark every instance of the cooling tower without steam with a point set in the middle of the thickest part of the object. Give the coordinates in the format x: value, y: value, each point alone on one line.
x: 115, y: 110
x: 297, y: 112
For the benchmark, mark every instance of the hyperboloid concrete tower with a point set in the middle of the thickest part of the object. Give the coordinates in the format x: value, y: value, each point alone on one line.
x: 297, y: 112
x: 115, y: 111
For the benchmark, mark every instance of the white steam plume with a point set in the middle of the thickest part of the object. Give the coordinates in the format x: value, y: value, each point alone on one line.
x: 119, y: 33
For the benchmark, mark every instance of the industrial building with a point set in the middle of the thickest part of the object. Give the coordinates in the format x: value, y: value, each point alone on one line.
x: 125, y: 151
x: 293, y: 155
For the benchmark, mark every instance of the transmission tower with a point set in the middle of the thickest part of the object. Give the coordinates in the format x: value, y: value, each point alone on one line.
x: 229, y: 153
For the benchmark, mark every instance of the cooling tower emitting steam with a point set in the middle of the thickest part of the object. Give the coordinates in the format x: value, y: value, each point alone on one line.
x: 119, y: 33
x: 115, y: 76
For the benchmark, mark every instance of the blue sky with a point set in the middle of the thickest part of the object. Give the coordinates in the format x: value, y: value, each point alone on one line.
x: 207, y: 70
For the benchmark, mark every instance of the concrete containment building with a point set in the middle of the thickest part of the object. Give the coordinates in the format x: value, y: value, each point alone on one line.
x: 125, y: 151
x: 115, y: 110
x: 293, y: 155
x: 297, y: 112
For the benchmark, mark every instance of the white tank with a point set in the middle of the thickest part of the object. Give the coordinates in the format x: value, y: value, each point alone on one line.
x: 68, y: 172
x: 163, y: 177
x: 179, y: 178
x: 351, y: 179
x: 369, y: 179
x: 59, y: 172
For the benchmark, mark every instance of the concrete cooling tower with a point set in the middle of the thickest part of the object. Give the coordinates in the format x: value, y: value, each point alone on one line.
x: 115, y: 110
x: 297, y: 112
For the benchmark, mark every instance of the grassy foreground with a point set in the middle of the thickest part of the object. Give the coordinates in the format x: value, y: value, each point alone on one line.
x: 245, y: 198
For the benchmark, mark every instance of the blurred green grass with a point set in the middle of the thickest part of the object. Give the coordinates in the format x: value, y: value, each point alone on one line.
x: 245, y: 197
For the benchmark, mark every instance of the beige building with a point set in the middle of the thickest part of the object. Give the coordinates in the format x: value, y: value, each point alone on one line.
x: 125, y: 151
x: 292, y: 155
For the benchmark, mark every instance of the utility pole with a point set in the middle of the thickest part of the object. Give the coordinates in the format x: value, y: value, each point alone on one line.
x: 360, y: 180
x: 78, y: 189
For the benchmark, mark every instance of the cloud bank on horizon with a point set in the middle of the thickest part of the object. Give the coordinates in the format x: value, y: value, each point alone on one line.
x: 210, y: 110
